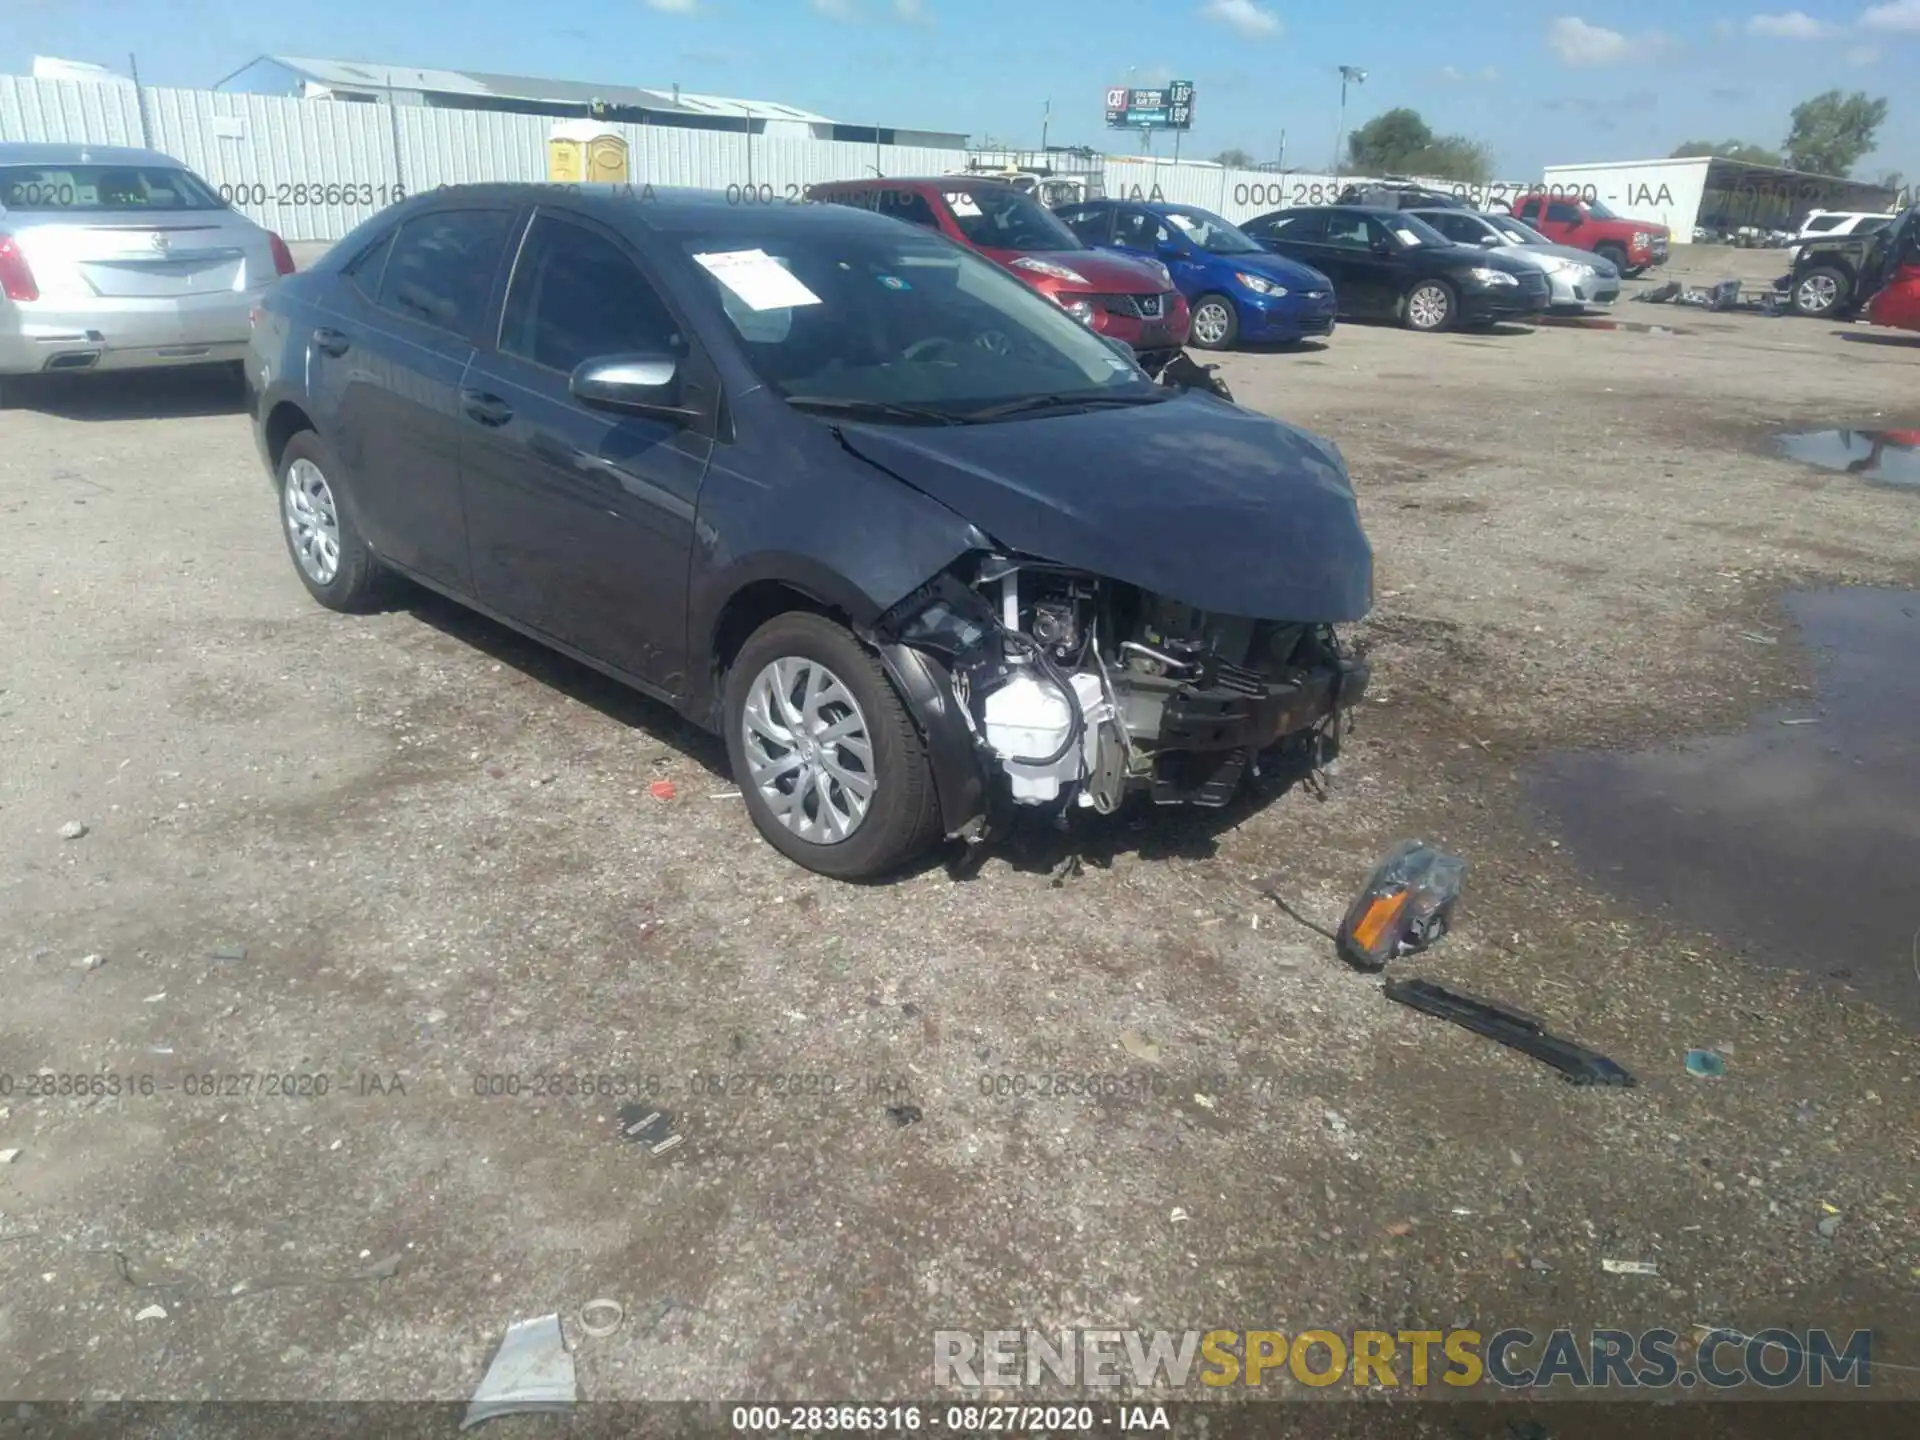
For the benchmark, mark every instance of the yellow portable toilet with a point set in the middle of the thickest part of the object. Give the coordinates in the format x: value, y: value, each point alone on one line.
x: 589, y: 151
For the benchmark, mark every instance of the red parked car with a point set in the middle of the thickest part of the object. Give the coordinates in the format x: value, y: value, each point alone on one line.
x: 1129, y: 299
x: 1632, y: 245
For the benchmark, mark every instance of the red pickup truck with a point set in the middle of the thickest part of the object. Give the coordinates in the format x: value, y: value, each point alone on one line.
x: 1632, y: 245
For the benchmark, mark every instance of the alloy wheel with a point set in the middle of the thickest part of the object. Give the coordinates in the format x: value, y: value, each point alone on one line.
x: 1427, y: 307
x: 1211, y: 322
x: 1818, y: 294
x: 808, y: 750
x: 313, y: 521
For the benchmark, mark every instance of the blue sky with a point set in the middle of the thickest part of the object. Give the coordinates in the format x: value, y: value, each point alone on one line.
x: 1626, y: 80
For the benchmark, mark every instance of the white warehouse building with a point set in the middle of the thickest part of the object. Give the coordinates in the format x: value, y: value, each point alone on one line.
x: 1713, y: 193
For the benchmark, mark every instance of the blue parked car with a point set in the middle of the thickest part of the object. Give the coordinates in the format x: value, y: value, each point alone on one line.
x: 1237, y: 290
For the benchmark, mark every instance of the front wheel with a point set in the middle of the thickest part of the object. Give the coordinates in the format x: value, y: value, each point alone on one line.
x: 832, y: 769
x: 1430, y: 306
x: 1821, y: 291
x: 1216, y: 324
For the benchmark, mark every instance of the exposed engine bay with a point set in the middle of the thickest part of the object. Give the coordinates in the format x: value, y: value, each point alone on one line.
x: 1079, y: 690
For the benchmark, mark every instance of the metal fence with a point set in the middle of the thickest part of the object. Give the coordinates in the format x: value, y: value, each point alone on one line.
x: 313, y: 169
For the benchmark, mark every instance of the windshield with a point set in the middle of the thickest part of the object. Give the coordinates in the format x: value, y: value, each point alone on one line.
x: 100, y: 189
x: 1412, y: 230
x: 1599, y: 211
x: 843, y: 319
x: 998, y: 217
x: 1209, y: 232
x: 1518, y: 233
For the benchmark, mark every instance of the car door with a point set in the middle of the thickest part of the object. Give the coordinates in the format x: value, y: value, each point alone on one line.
x: 396, y: 365
x: 1369, y: 282
x: 582, y: 519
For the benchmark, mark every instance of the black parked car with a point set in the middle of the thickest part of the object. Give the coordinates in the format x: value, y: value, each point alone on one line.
x: 921, y: 546
x: 1389, y: 265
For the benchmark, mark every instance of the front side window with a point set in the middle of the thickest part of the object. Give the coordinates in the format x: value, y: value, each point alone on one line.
x: 577, y: 296
x: 900, y: 326
x: 997, y: 217
x: 1300, y: 226
x: 104, y: 189
x: 442, y: 267
x: 908, y: 206
x: 1088, y: 223
x: 1564, y: 211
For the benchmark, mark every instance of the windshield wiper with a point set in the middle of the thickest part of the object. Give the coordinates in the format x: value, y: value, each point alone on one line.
x: 877, y: 409
x: 1028, y: 404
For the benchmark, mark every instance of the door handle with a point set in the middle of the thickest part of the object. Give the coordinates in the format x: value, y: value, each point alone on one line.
x: 333, y: 342
x: 486, y: 408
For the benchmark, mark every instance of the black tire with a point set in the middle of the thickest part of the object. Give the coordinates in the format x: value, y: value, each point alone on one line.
x: 1615, y: 255
x: 1228, y: 336
x: 358, y: 582
x: 1449, y: 312
x: 902, y: 819
x: 1809, y: 292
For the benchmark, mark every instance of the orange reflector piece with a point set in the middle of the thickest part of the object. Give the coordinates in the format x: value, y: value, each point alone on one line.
x: 1383, y: 911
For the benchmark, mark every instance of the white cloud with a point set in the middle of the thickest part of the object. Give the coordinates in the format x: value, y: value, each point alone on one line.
x: 1861, y: 56
x: 1243, y: 15
x: 1450, y: 72
x: 1793, y: 25
x: 838, y: 9
x: 674, y: 7
x: 912, y: 11
x: 1585, y: 46
x: 1900, y: 15
x: 1581, y: 46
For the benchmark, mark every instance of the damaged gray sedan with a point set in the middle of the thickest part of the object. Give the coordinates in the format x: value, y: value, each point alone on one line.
x: 922, y: 548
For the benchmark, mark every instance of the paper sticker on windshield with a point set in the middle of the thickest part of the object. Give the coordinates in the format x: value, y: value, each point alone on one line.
x: 962, y: 203
x: 760, y: 281
x: 1407, y: 237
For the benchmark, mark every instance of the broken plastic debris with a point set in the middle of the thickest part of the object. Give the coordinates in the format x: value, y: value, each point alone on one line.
x: 1514, y: 1028
x: 1405, y: 906
x: 1177, y: 1214
x: 7, y: 1157
x: 600, y: 1318
x: 904, y: 1115
x: 152, y: 1312
x: 661, y: 789
x: 1139, y: 1046
x: 1629, y: 1267
x: 1828, y: 1227
x: 72, y: 830
x: 531, y: 1373
x: 1705, y: 1063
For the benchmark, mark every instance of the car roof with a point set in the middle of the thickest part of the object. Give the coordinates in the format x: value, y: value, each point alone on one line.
x: 63, y: 153
x: 919, y: 184
x: 668, y: 209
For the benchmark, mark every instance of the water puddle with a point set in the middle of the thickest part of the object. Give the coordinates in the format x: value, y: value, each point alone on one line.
x: 1798, y: 840
x: 1880, y: 457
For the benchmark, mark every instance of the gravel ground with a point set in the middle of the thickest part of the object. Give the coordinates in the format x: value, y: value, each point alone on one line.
x: 408, y: 850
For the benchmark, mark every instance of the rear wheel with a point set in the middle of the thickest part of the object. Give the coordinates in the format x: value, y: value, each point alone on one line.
x: 1429, y: 306
x: 831, y: 766
x: 1820, y: 291
x: 1215, y: 322
x: 329, y: 553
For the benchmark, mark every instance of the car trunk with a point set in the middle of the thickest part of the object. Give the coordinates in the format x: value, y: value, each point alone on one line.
x: 153, y: 259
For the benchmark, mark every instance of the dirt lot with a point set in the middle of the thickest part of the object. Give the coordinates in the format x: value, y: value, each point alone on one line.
x: 410, y: 851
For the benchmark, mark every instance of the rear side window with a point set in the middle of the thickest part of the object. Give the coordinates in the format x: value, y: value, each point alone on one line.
x: 576, y: 296
x: 907, y: 205
x: 364, y: 270
x: 103, y: 189
x: 1088, y: 224
x: 1824, y: 222
x: 1460, y: 229
x: 441, y: 268
x: 1307, y: 225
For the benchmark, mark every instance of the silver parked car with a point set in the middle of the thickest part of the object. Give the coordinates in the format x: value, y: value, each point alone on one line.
x: 1574, y: 277
x: 114, y: 258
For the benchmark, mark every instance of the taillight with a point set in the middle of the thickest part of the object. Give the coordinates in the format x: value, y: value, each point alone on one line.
x: 16, y: 276
x: 282, y: 257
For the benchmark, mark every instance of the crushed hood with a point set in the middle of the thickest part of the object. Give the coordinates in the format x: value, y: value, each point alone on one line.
x: 1193, y: 499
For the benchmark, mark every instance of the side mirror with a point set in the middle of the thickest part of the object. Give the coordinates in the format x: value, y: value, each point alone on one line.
x: 632, y: 384
x: 1492, y: 242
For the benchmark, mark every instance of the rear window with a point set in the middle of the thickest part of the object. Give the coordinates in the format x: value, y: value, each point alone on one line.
x: 103, y: 189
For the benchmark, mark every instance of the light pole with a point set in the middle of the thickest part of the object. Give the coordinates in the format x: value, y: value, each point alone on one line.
x: 1357, y: 76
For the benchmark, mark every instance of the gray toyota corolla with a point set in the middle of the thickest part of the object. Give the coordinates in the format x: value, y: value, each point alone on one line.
x: 920, y: 546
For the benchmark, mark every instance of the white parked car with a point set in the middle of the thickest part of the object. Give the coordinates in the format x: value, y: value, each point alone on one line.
x: 114, y: 259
